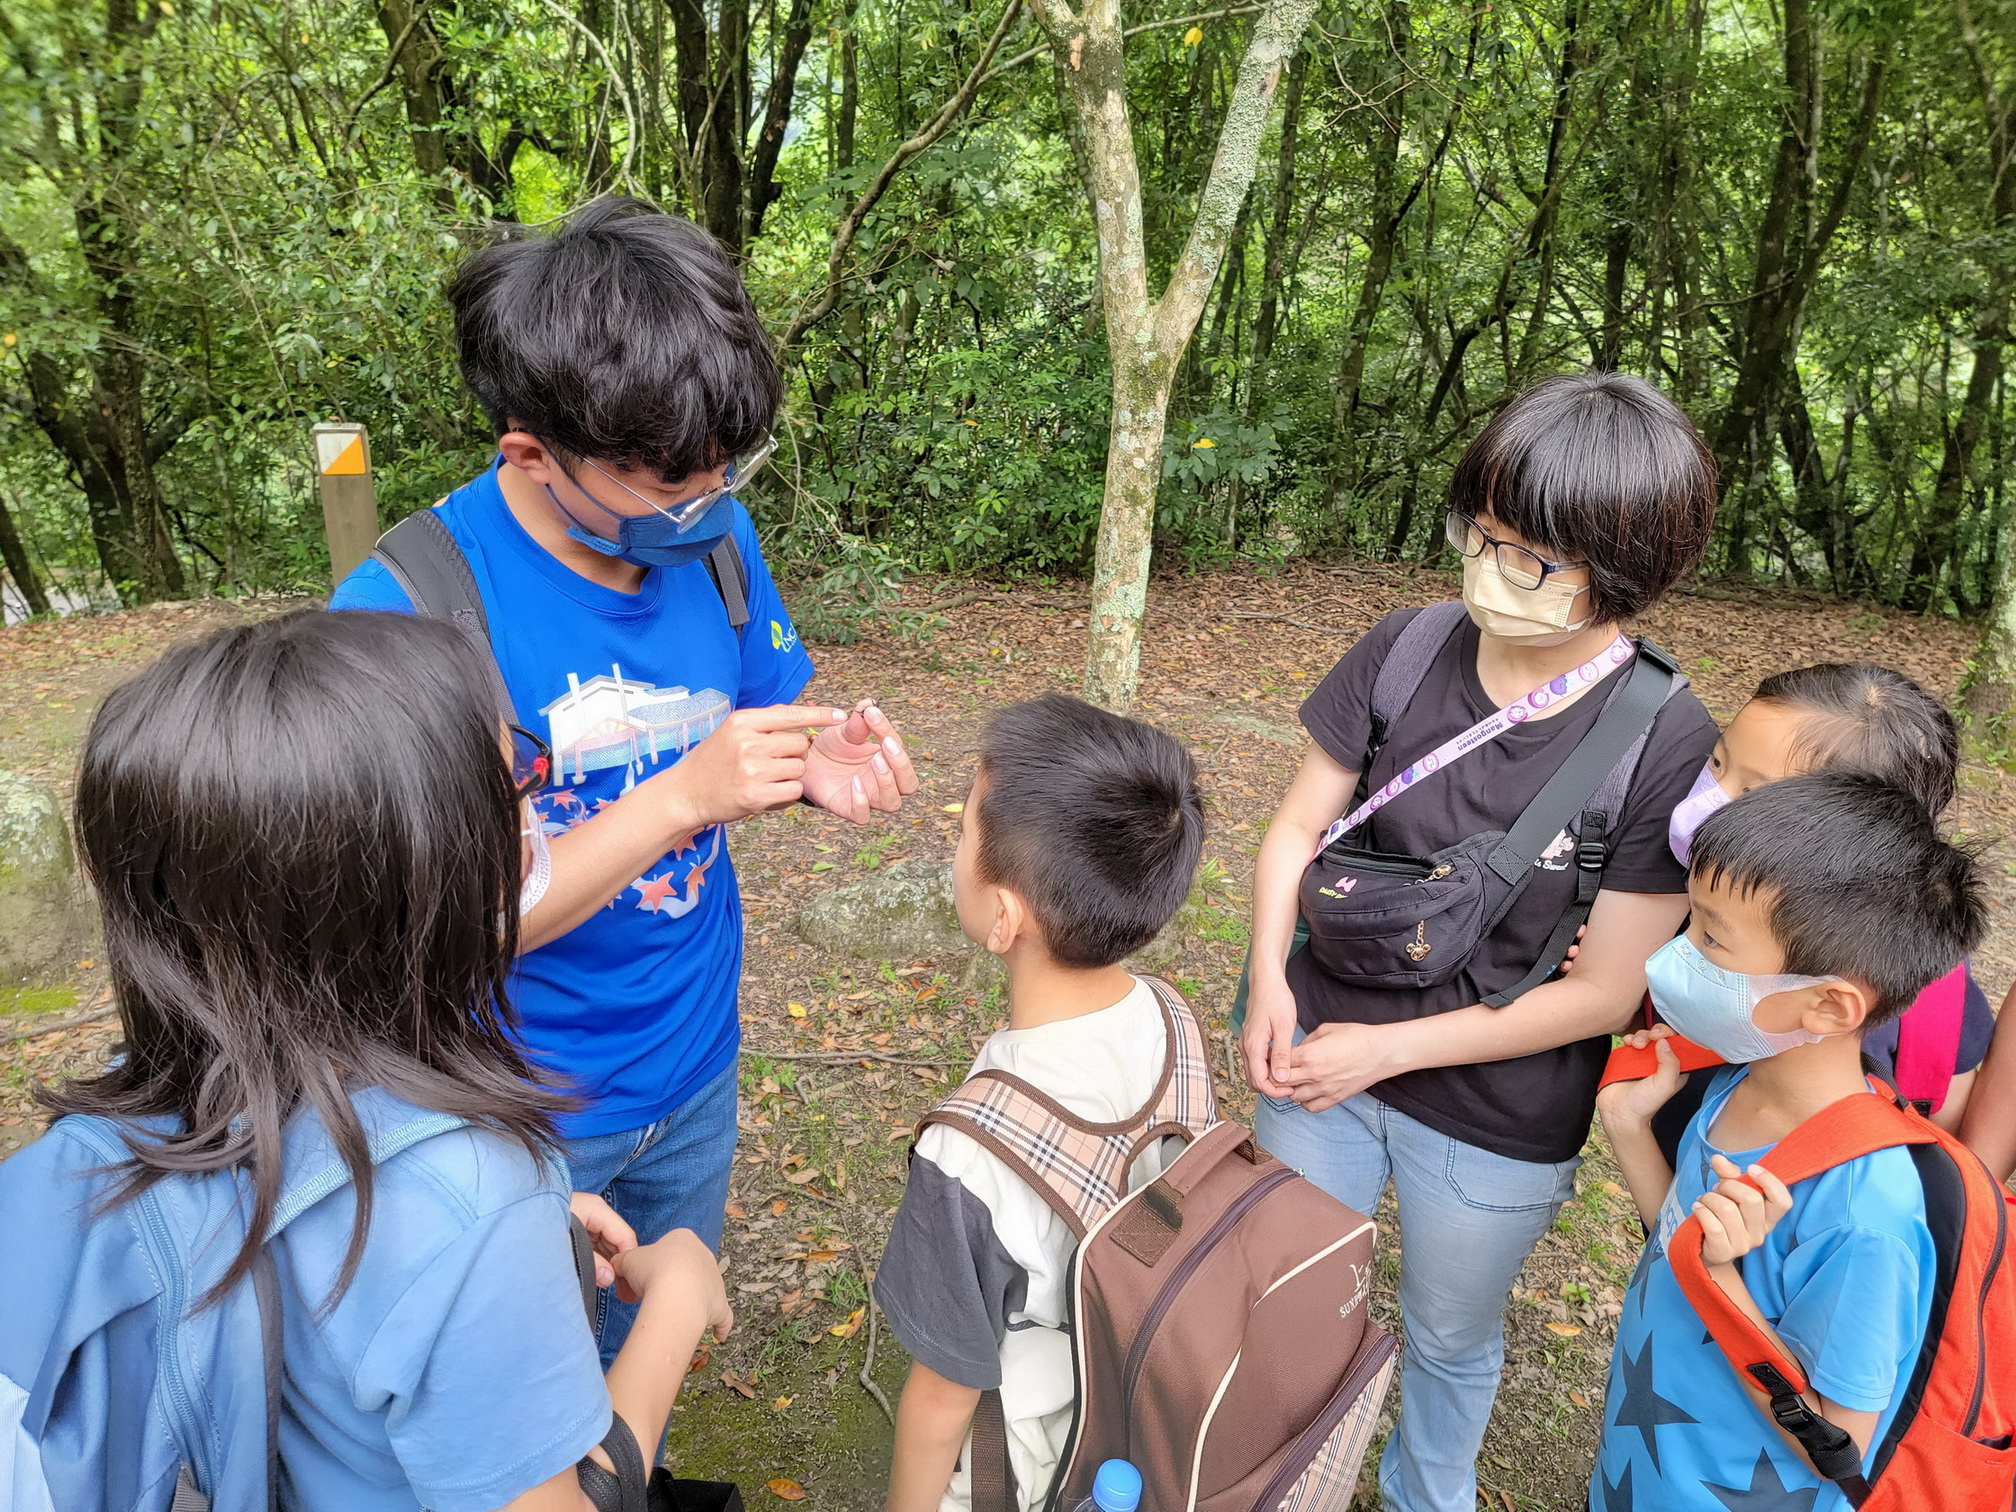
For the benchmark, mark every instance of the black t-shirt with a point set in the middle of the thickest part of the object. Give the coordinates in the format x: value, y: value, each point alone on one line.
x: 1536, y: 1107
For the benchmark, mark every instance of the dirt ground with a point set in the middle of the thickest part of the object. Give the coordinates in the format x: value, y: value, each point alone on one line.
x: 842, y: 1055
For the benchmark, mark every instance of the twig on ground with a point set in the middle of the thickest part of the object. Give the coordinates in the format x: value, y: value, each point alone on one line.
x: 1284, y: 619
x: 75, y: 1021
x: 867, y: 1375
x: 983, y: 595
x: 841, y: 1057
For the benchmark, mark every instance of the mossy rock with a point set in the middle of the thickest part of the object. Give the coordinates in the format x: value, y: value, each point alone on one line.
x: 45, y: 920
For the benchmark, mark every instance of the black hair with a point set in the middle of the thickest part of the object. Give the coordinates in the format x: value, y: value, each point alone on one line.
x: 1872, y: 719
x: 1094, y: 820
x: 1858, y: 882
x: 304, y: 840
x: 1599, y: 468
x: 626, y: 336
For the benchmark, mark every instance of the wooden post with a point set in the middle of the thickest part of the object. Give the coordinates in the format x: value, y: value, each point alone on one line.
x: 349, y: 502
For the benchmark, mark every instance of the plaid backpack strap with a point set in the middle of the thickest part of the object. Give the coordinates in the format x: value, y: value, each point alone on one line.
x: 1186, y: 1099
x: 1079, y: 1168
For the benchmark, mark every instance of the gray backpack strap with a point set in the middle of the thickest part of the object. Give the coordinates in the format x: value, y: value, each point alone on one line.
x: 731, y: 580
x: 1598, y: 769
x: 425, y: 561
x: 1407, y: 662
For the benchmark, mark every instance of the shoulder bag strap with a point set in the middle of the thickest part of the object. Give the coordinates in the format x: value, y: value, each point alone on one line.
x: 1847, y: 1130
x: 1928, y: 1039
x: 1407, y: 662
x: 992, y: 1473
x: 731, y: 580
x: 1592, y: 783
x: 426, y: 562
x: 273, y: 1348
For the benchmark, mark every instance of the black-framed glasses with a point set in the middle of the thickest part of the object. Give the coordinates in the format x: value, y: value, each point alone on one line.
x: 1520, y: 567
x: 531, y: 762
x: 686, y: 511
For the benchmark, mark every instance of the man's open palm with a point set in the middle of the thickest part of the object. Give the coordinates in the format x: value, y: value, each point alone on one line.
x: 859, y: 767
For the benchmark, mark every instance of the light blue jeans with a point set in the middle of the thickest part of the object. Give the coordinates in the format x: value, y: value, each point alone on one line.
x: 671, y: 1174
x: 1468, y: 1219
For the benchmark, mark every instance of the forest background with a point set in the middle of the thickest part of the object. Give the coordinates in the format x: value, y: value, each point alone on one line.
x: 224, y: 220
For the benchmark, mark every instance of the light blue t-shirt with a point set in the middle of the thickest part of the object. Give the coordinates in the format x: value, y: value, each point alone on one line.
x: 1846, y: 1279
x: 636, y: 1008
x: 458, y: 1371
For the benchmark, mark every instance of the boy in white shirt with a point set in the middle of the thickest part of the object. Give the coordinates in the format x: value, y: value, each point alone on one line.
x: 1077, y: 845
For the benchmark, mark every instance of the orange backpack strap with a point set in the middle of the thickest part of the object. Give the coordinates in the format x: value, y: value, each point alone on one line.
x: 1847, y: 1130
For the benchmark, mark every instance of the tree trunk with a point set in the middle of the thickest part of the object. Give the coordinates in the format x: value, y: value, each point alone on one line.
x: 1146, y: 338
x: 763, y: 185
x: 15, y: 556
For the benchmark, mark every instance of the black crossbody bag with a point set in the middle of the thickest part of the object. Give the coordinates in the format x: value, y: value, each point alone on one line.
x: 1387, y: 921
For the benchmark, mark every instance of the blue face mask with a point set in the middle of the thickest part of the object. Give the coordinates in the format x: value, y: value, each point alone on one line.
x: 656, y: 540
x: 1713, y: 1006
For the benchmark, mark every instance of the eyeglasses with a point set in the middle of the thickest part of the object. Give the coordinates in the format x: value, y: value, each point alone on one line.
x: 686, y: 511
x: 1521, y: 568
x: 531, y: 762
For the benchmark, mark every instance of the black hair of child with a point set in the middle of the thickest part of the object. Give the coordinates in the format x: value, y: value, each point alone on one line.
x: 1857, y: 880
x: 1875, y: 720
x: 304, y: 840
x: 1597, y: 468
x: 626, y: 336
x: 1094, y: 820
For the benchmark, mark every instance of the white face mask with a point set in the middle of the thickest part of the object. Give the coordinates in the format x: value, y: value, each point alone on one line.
x: 1530, y: 616
x: 1715, y: 1007
x: 540, y: 872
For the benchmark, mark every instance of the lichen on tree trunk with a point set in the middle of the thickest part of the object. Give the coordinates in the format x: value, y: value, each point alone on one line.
x: 1145, y: 336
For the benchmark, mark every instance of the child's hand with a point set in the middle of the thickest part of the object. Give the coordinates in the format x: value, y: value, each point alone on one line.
x: 681, y: 1261
x: 611, y: 1234
x: 1743, y: 1208
x: 1636, y: 1101
x: 859, y: 767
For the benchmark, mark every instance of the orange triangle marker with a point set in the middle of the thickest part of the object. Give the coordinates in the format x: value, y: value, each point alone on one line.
x: 349, y: 462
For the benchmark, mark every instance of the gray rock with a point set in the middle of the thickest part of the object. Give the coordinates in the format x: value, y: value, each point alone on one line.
x: 902, y: 913
x: 45, y: 919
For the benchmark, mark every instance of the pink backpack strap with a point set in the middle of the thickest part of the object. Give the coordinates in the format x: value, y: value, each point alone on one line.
x: 1928, y: 1039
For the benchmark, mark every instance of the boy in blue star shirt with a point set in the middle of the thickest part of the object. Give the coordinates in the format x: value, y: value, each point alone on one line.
x: 631, y: 386
x: 1821, y: 907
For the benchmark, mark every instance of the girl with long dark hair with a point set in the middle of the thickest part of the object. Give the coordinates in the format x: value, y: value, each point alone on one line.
x: 305, y: 839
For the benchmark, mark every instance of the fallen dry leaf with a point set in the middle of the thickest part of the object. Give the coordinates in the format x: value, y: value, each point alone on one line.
x: 700, y: 1362
x: 777, y: 1208
x: 785, y: 1490
x: 736, y: 1210
x: 851, y: 1327
x: 1578, y: 1399
x: 799, y: 1178
x: 1565, y: 1330
x: 796, y: 1010
x: 737, y: 1385
x: 781, y: 1403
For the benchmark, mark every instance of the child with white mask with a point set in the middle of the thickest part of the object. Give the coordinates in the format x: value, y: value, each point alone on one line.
x: 1821, y: 907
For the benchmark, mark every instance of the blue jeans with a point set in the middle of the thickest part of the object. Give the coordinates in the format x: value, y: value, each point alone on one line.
x: 1468, y: 1219
x: 668, y: 1175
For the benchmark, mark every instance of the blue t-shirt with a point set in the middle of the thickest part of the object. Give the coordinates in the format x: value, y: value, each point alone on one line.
x: 1846, y: 1278
x: 458, y: 1371
x: 636, y: 1008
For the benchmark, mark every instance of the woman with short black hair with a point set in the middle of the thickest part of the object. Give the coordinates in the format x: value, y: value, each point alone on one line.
x: 1440, y: 1051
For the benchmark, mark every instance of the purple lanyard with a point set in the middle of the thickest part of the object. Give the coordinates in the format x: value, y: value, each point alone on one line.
x: 1551, y: 692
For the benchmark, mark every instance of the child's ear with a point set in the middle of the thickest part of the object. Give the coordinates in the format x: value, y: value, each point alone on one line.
x: 1012, y: 921
x: 1838, y: 1007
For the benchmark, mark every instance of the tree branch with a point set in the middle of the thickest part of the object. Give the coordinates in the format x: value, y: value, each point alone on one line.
x: 850, y: 227
x: 1133, y: 31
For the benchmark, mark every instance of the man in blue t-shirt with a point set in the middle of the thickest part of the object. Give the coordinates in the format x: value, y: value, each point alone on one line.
x: 631, y: 385
x: 1821, y: 907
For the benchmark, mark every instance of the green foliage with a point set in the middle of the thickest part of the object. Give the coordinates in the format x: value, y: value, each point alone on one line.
x: 229, y: 221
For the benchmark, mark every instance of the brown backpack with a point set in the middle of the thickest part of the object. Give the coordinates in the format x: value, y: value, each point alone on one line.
x: 1220, y: 1335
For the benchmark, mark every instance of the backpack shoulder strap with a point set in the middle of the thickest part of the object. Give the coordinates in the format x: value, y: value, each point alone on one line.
x: 1185, y: 1103
x: 1928, y: 1039
x: 1593, y: 782
x: 426, y: 562
x: 731, y: 580
x: 1407, y: 662
x: 1855, y: 1126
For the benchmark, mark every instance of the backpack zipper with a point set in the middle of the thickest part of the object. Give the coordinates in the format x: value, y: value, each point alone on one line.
x: 168, y: 1366
x: 1981, y: 1317
x: 1137, y: 1352
x: 1371, y: 1359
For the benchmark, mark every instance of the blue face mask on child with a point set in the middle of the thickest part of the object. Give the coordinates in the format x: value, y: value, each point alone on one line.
x: 655, y: 540
x: 1713, y: 1006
